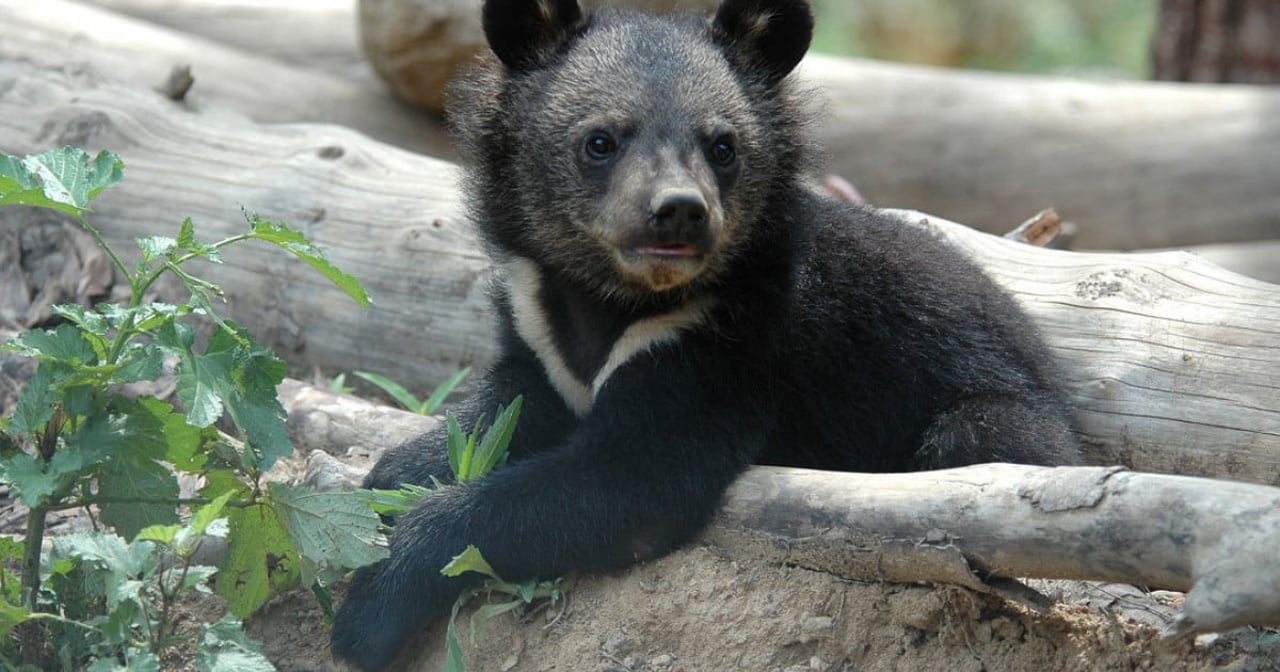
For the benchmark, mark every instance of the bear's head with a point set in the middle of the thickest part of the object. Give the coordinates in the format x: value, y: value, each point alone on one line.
x: 632, y: 154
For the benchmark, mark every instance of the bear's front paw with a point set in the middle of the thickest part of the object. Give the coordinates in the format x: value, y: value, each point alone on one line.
x: 376, y: 620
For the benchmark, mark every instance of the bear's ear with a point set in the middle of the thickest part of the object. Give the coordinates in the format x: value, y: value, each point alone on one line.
x: 523, y: 33
x: 766, y: 35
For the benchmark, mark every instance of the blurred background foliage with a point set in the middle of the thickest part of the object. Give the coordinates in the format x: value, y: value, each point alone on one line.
x: 1091, y: 38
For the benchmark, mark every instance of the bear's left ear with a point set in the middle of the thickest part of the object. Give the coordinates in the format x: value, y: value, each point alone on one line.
x: 524, y: 33
x: 766, y: 35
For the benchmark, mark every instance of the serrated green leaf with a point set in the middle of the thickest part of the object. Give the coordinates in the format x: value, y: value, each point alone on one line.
x: 225, y: 647
x: 88, y: 320
x: 442, y: 392
x: 143, y: 317
x: 111, y: 565
x: 391, y: 387
x: 187, y: 233
x: 35, y: 481
x: 469, y: 560
x: 182, y: 443
x: 142, y: 361
x: 133, y: 476
x: 157, y: 247
x: 187, y: 241
x: 66, y: 344
x: 36, y: 405
x: 261, y: 561
x: 294, y: 241
x: 238, y: 377
x: 63, y: 179
x: 330, y: 529
x: 198, y: 376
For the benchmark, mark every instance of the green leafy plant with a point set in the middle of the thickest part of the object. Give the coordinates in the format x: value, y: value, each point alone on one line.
x: 74, y: 440
x: 407, y: 399
x: 472, y: 455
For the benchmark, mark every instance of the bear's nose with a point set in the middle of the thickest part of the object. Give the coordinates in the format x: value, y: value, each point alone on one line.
x: 678, y: 212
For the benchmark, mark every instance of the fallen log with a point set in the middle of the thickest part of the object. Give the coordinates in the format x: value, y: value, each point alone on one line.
x: 314, y: 34
x: 1134, y: 164
x: 1171, y: 361
x: 971, y: 526
x: 68, y: 35
x: 1258, y: 259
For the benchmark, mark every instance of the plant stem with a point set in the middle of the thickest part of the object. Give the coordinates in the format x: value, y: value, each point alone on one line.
x: 31, y: 556
x: 97, y: 237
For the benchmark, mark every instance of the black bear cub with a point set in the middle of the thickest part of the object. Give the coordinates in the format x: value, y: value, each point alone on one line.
x: 676, y: 304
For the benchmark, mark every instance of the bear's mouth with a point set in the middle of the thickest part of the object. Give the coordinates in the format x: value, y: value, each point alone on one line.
x: 668, y: 250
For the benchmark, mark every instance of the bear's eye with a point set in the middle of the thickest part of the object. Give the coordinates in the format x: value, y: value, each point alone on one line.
x: 722, y: 152
x: 600, y: 145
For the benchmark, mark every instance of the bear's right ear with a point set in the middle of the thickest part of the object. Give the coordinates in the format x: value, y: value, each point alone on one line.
x: 768, y: 36
x: 523, y: 33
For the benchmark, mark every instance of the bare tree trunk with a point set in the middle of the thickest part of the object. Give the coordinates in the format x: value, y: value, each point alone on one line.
x: 1218, y: 41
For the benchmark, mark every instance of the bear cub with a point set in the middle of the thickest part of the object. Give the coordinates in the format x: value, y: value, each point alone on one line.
x: 675, y: 304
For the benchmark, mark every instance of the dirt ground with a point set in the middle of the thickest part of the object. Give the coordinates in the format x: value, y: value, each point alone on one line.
x: 698, y: 611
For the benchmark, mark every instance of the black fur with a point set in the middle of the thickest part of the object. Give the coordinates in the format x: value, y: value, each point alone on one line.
x: 640, y: 180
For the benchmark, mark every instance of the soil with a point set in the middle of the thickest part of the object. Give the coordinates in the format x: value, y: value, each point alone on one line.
x: 698, y: 611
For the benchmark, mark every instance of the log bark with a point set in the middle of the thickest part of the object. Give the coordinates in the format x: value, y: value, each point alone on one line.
x: 390, y: 216
x: 70, y: 35
x: 972, y: 526
x: 315, y: 34
x: 1171, y: 362
x: 1134, y: 164
x: 1259, y: 259
x: 1216, y: 539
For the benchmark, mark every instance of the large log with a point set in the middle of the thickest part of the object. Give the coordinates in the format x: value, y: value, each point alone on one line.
x: 64, y: 34
x: 1257, y: 259
x: 1134, y: 164
x: 1171, y: 361
x: 968, y: 526
x: 315, y: 34
x: 387, y: 215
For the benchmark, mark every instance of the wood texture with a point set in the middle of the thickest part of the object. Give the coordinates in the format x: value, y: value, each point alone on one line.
x: 1133, y: 164
x: 1216, y: 539
x: 971, y: 526
x: 389, y: 216
x: 316, y: 34
x: 1174, y: 364
x: 69, y: 35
